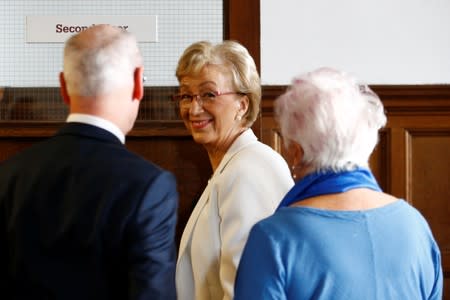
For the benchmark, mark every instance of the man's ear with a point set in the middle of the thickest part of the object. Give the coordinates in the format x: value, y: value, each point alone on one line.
x: 63, y: 89
x: 138, y: 91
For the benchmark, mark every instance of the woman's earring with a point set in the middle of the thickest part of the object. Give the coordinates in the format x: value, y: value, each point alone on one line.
x: 294, y: 176
x: 238, y: 117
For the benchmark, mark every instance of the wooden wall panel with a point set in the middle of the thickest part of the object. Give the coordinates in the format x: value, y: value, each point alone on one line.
x: 379, y: 161
x: 429, y: 183
x: 242, y: 23
x: 430, y: 177
x: 411, y: 161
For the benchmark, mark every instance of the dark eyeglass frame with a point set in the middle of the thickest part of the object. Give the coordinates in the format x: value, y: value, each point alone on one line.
x: 185, y: 100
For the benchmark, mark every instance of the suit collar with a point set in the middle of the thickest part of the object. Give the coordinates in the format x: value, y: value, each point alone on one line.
x: 89, y: 131
x: 98, y: 122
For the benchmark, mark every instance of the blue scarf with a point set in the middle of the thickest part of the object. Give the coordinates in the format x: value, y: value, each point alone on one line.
x: 330, y: 182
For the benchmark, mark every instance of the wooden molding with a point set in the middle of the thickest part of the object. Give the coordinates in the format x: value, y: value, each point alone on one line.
x: 242, y: 23
x: 397, y: 99
x: 44, y: 105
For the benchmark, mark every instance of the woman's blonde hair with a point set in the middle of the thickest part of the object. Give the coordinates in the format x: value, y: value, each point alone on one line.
x: 233, y: 57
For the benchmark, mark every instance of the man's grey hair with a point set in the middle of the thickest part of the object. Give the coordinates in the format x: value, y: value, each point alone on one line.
x: 96, y: 64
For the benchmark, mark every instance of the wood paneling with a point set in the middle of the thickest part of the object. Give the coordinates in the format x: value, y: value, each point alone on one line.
x: 242, y: 23
x: 411, y: 161
x: 44, y: 104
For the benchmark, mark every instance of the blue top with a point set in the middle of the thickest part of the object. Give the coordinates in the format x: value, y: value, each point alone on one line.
x: 308, y: 253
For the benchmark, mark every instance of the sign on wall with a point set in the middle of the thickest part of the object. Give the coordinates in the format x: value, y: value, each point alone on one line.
x: 57, y: 29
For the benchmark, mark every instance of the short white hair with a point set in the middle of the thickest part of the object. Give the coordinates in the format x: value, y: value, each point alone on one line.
x: 332, y: 117
x: 104, y: 60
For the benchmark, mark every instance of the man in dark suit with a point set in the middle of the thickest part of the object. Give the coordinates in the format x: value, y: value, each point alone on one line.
x: 81, y: 217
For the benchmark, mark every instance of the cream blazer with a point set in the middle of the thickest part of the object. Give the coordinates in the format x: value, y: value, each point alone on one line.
x: 247, y: 186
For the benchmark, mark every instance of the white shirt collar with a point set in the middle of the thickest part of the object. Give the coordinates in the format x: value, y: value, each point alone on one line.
x: 99, y: 122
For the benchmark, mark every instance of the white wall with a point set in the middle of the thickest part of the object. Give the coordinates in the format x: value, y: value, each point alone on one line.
x: 379, y: 41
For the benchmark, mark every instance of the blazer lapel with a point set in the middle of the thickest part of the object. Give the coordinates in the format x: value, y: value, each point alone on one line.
x: 246, y: 138
x: 187, y: 233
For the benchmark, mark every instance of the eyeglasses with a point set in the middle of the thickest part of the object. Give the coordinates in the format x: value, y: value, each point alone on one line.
x: 205, y: 98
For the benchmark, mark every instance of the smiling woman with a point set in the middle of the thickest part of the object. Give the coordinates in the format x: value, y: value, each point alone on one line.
x: 219, y: 100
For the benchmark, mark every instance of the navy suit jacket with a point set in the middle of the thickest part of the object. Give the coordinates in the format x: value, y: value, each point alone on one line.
x: 81, y: 217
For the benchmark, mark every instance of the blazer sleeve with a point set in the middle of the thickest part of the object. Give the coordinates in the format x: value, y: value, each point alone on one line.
x: 247, y: 195
x: 152, y: 250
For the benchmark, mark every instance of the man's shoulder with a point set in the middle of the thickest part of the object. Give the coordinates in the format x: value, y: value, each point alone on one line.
x: 134, y: 160
x: 21, y: 156
x: 136, y: 165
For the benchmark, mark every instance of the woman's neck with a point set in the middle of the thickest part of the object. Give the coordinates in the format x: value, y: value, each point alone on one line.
x: 215, y: 159
x: 218, y: 151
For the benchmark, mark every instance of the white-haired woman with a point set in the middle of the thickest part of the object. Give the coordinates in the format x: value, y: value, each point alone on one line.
x: 336, y: 235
